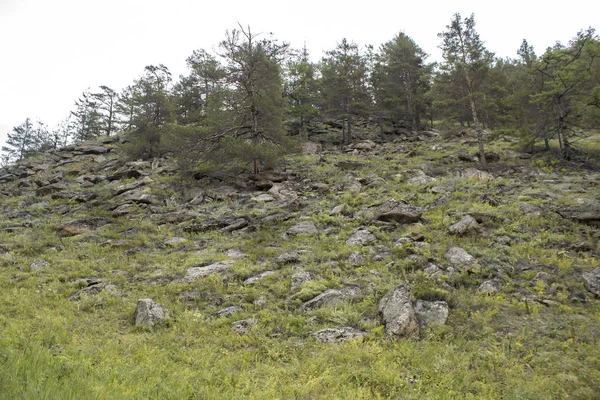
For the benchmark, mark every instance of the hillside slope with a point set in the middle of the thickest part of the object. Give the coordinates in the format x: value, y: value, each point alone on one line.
x: 390, y: 270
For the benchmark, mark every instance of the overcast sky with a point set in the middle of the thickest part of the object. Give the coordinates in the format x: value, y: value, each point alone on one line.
x: 52, y: 50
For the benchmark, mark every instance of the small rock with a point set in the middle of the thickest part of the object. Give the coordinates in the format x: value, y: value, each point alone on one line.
x: 303, y: 228
x: 265, y: 198
x: 243, y: 326
x: 148, y: 313
x: 338, y: 335
x: 228, y: 311
x: 420, y: 178
x: 256, y: 278
x: 431, y: 311
x: 288, y: 258
x: 489, y: 287
x: 541, y: 276
x: 38, y: 264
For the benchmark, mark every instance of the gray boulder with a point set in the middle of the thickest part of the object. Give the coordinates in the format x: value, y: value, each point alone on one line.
x: 466, y: 225
x: 303, y: 228
x: 398, y: 313
x: 300, y: 278
x: 458, y: 257
x: 588, y: 214
x: 228, y: 311
x: 148, y: 313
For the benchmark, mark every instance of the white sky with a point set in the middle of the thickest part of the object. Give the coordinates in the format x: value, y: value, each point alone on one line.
x: 52, y: 50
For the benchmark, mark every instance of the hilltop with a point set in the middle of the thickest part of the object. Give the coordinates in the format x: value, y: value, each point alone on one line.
x: 379, y: 269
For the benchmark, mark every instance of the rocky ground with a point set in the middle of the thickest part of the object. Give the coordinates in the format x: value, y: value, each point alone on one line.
x: 390, y: 269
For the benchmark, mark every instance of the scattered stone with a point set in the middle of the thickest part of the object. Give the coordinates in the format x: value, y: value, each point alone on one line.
x: 330, y: 297
x: 458, y: 257
x: 300, y: 278
x: 195, y: 273
x: 303, y: 228
x: 52, y: 188
x: 243, y: 326
x: 38, y: 264
x: 361, y: 237
x: 398, y: 313
x: 235, y: 254
x: 175, y: 241
x: 338, y: 335
x: 364, y: 145
x: 356, y: 259
x: 253, y: 279
x: 289, y: 258
x: 420, y: 178
x: 591, y: 281
x: 228, y: 311
x: 466, y: 225
x: 148, y: 313
x: 341, y: 209
x: 431, y: 311
x: 489, y: 287
x: 123, y: 210
x: 398, y: 211
x: 467, y: 158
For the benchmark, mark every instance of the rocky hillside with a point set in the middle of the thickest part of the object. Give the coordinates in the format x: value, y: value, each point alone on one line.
x: 379, y: 270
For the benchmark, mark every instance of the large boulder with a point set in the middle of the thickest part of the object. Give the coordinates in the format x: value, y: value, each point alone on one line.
x: 398, y: 211
x: 148, y: 313
x: 398, y: 313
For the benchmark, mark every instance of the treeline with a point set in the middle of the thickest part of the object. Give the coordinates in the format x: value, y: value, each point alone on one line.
x: 245, y: 102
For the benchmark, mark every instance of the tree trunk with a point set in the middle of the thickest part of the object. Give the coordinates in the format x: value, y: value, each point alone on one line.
x: 478, y: 128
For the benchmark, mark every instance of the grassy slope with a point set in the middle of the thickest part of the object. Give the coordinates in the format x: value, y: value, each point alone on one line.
x: 497, y: 346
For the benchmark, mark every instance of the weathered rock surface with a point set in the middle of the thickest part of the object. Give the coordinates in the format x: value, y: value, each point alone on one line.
x: 253, y: 279
x: 591, y: 281
x: 360, y: 237
x: 398, y: 313
x: 338, y: 335
x: 148, y: 313
x: 398, y: 211
x: 588, y: 214
x: 228, y: 311
x: 300, y: 278
x: 458, y: 257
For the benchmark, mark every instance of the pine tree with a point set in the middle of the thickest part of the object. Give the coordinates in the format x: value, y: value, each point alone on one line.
x: 466, y: 56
